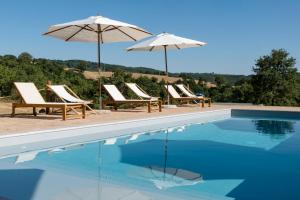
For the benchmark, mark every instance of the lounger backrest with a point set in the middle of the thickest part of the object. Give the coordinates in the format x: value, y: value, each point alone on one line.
x: 61, y: 91
x: 138, y: 91
x: 172, y: 91
x: 29, y: 93
x: 114, y: 92
x: 185, y: 90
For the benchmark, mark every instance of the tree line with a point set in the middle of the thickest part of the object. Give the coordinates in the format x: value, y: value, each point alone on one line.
x: 274, y: 81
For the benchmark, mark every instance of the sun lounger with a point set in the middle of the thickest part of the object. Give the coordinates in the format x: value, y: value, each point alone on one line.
x: 117, y: 98
x: 68, y: 96
x: 31, y: 97
x: 140, y: 92
x: 175, y: 96
x: 189, y: 93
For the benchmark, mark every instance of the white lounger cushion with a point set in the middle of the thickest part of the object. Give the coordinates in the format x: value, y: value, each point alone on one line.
x: 185, y: 91
x: 29, y: 93
x: 172, y: 91
x: 61, y: 91
x: 137, y: 91
x: 114, y: 92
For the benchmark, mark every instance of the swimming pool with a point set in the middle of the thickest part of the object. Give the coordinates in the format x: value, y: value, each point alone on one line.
x: 242, y: 157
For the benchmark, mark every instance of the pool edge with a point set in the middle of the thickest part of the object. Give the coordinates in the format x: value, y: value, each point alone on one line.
x: 102, y: 129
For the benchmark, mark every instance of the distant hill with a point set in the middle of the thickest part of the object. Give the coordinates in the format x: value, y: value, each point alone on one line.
x: 210, y: 77
x: 92, y: 66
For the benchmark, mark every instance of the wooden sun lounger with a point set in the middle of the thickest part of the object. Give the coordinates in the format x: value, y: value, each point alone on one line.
x: 175, y: 96
x: 117, y: 98
x: 67, y: 95
x: 186, y: 91
x: 31, y: 97
x: 140, y: 92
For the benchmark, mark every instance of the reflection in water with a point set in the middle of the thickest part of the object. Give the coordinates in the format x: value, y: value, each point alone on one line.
x: 166, y: 164
x: 66, y: 148
x: 24, y: 157
x: 99, y: 169
x: 274, y: 128
x: 166, y: 177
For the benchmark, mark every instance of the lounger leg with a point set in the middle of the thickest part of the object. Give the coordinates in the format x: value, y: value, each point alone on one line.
x: 149, y: 107
x: 34, y: 111
x: 209, y: 103
x: 115, y: 107
x: 203, y: 102
x: 83, y: 111
x: 64, y: 112
x: 13, y: 110
x: 103, y: 104
x: 159, y: 106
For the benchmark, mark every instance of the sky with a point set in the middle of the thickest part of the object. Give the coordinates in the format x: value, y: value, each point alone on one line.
x: 237, y: 32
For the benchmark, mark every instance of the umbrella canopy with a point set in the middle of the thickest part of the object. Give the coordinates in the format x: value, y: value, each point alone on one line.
x: 165, y: 41
x: 97, y: 29
x: 87, y: 30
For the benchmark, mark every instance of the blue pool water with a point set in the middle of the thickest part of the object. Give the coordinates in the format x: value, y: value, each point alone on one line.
x: 236, y: 158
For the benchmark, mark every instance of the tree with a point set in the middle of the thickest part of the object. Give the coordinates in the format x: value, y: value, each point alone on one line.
x: 220, y: 81
x: 275, y: 79
x: 24, y: 69
x: 82, y: 66
x: 25, y: 58
x: 150, y: 85
x: 7, y: 77
x: 242, y: 92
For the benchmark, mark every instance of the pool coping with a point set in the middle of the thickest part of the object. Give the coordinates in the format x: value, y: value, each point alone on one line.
x: 59, y: 137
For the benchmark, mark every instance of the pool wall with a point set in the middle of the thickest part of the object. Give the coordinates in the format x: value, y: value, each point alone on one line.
x: 240, y: 113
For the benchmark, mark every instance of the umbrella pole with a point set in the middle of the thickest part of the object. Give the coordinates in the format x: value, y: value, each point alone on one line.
x: 166, y: 154
x: 99, y: 68
x: 167, y: 74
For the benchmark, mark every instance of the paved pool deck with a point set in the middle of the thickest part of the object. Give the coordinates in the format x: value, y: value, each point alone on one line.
x: 24, y: 122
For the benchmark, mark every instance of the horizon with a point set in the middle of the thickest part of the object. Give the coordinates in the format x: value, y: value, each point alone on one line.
x: 237, y: 32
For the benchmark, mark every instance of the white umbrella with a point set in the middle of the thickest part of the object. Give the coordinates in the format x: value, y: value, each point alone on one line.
x: 97, y: 29
x: 165, y: 41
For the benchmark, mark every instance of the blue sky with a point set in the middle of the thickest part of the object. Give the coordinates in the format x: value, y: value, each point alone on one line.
x: 237, y: 31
